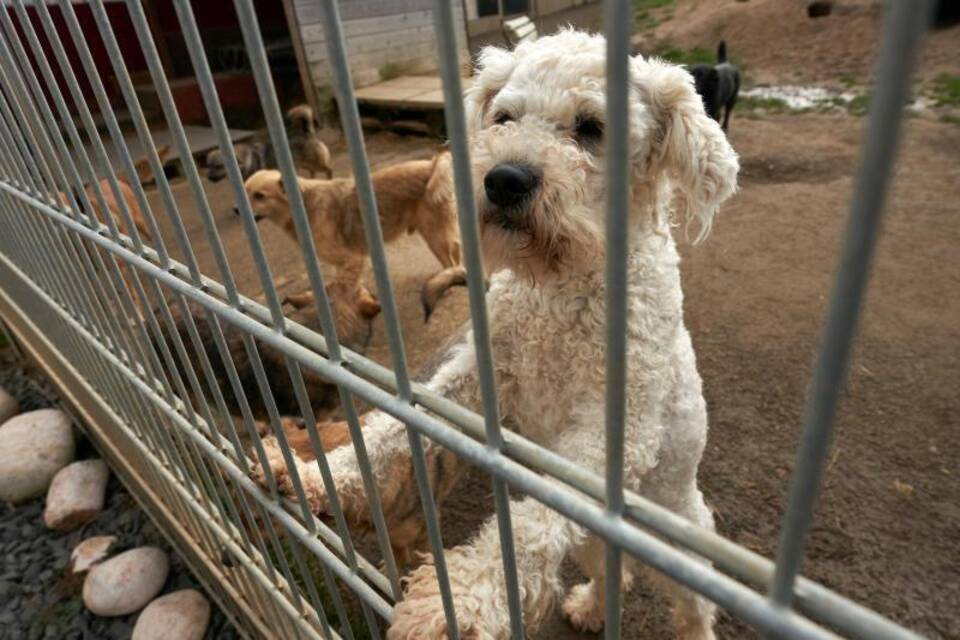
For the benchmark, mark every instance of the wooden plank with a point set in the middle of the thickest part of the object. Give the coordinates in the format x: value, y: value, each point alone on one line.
x: 313, y: 33
x: 419, y: 57
x: 309, y: 10
x: 375, y: 42
x: 303, y: 66
x: 516, y: 23
x: 415, y: 92
x: 398, y: 42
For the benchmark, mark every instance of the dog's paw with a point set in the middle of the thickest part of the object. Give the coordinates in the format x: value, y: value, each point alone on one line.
x: 583, y: 609
x: 420, y: 616
x: 271, y: 464
x: 276, y: 466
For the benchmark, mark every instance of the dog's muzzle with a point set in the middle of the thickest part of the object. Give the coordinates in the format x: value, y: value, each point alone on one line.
x: 508, y: 184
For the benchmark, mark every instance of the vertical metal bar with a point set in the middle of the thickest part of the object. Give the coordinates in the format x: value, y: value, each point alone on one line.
x: 449, y: 59
x: 208, y: 91
x: 39, y: 140
x: 617, y: 237
x: 260, y: 66
x: 209, y: 94
x: 312, y: 592
x: 193, y: 178
x: 176, y: 128
x: 350, y: 120
x: 904, y: 26
x: 115, y: 278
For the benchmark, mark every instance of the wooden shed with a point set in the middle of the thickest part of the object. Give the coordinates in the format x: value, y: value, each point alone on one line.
x: 385, y: 39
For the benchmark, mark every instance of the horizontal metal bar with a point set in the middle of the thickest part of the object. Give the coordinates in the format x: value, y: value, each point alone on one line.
x: 212, y: 452
x: 852, y: 619
x: 660, y: 555
x: 225, y: 538
x: 90, y: 412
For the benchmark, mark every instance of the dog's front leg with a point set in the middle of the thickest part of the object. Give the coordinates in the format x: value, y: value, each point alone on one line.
x: 387, y: 450
x: 542, y: 539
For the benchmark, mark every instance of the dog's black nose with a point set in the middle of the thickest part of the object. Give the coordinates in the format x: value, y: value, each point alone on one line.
x: 507, y: 184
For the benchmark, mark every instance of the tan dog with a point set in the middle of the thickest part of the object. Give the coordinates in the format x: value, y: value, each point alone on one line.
x: 309, y: 152
x: 411, y: 196
x: 144, y: 176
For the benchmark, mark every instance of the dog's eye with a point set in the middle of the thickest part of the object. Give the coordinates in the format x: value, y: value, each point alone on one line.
x: 258, y: 195
x: 588, y: 130
x: 502, y: 117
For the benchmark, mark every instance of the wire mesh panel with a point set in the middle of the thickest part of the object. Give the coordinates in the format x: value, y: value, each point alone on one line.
x: 181, y: 373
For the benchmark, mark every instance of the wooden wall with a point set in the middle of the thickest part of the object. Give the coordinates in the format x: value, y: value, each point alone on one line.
x: 392, y: 37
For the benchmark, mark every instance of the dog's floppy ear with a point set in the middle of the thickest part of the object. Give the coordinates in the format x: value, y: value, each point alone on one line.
x: 688, y: 145
x: 492, y: 70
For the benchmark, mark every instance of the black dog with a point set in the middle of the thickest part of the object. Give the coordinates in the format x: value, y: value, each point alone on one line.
x: 718, y: 86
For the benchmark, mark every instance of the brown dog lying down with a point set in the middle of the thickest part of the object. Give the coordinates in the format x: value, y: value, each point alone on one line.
x: 353, y: 320
x: 411, y: 196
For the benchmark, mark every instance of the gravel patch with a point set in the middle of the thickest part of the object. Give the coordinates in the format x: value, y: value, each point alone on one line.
x: 38, y: 600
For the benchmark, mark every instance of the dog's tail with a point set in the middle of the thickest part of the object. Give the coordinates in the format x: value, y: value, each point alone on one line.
x: 437, y: 285
x: 722, y: 52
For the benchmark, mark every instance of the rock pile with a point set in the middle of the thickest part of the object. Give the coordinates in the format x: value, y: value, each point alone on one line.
x: 89, y: 537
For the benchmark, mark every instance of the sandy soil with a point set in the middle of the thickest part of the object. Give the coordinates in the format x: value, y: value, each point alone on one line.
x: 888, y: 522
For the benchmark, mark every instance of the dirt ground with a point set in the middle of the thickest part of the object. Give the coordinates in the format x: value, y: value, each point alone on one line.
x: 888, y: 523
x: 777, y: 42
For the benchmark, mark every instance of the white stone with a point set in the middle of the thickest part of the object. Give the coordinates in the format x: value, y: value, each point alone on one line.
x: 76, y: 495
x: 8, y: 406
x: 33, y: 447
x: 183, y: 615
x: 125, y: 583
x: 90, y: 552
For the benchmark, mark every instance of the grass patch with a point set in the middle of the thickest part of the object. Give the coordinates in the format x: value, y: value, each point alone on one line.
x: 945, y: 90
x: 769, y: 105
x: 699, y: 55
x: 643, y: 5
x: 357, y: 625
x: 847, y: 80
x: 859, y: 105
x: 951, y: 118
x: 688, y: 57
x: 647, y: 14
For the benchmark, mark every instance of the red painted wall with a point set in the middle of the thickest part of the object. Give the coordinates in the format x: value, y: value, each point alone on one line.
x: 210, y: 16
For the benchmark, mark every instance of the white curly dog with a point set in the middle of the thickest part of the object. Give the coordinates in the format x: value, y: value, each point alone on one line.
x: 536, y: 117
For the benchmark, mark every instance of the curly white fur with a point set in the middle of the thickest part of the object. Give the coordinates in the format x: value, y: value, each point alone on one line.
x: 546, y: 304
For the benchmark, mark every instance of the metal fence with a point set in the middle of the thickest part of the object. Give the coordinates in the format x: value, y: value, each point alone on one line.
x: 73, y: 286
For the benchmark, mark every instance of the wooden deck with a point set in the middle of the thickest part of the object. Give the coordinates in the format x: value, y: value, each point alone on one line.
x: 406, y: 92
